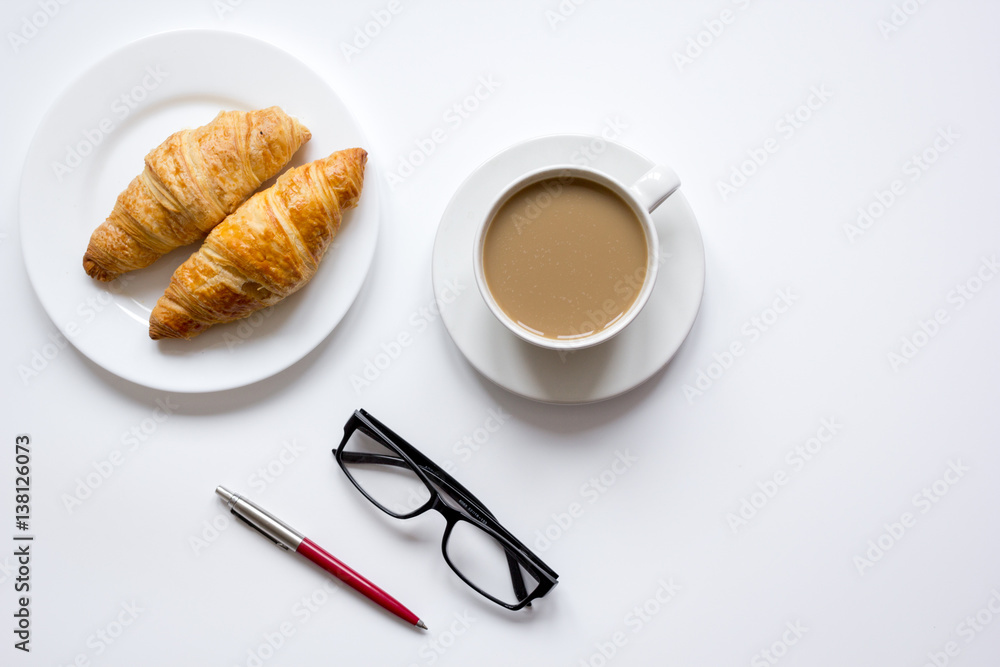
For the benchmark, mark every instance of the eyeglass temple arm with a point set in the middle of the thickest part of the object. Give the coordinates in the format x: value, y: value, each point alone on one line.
x: 450, y: 485
x: 368, y: 424
x: 517, y: 578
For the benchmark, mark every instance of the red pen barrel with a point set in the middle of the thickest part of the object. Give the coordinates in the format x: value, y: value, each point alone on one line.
x: 325, y: 560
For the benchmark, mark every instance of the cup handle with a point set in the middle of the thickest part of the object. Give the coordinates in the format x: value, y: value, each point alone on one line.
x: 655, y: 186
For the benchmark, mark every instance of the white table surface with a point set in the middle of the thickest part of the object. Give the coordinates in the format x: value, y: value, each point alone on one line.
x: 846, y: 560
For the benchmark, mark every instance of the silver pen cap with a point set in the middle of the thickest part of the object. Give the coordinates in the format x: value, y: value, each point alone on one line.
x: 261, y: 520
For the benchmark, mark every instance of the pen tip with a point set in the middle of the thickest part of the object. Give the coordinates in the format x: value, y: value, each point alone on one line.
x: 421, y: 624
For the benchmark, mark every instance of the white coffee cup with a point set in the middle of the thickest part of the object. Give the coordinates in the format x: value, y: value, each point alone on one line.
x: 642, y: 197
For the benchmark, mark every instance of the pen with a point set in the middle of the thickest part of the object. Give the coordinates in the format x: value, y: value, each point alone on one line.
x: 290, y: 539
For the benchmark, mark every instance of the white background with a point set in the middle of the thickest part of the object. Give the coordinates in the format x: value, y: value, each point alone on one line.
x: 797, y: 562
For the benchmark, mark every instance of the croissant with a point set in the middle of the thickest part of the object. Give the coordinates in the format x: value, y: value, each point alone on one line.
x: 190, y: 183
x: 269, y: 248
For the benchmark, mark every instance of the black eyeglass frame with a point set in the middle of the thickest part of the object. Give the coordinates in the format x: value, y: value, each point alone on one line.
x: 470, y: 509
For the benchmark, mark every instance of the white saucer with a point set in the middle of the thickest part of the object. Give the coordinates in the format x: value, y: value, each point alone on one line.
x: 584, y: 376
x: 141, y: 94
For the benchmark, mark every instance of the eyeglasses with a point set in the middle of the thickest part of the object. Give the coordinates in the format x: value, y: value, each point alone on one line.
x: 404, y: 483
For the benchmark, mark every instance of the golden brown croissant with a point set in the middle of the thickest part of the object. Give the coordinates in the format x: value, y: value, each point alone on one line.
x: 270, y: 247
x: 191, y: 182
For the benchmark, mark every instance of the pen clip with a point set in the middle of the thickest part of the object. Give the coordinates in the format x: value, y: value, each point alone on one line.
x: 255, y: 527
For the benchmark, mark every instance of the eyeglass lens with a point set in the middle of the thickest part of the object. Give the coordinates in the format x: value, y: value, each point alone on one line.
x: 483, y: 562
x: 385, y: 477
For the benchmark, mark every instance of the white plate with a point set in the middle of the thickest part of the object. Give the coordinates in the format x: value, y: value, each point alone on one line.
x: 100, y: 129
x: 596, y: 373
